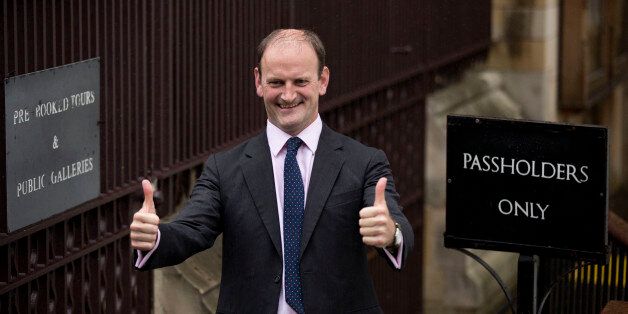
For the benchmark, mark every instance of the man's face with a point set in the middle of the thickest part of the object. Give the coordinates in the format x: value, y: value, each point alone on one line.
x: 290, y: 85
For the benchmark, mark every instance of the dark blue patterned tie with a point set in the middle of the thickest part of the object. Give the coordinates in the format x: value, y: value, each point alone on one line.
x: 293, y: 207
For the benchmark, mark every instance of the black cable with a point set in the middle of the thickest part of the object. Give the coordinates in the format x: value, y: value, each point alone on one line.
x: 493, y: 273
x: 549, y: 290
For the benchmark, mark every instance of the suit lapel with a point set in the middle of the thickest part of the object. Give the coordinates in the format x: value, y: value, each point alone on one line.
x: 257, y: 168
x: 327, y: 163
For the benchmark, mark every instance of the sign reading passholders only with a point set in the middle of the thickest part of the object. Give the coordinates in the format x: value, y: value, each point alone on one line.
x: 52, y: 141
x: 528, y: 187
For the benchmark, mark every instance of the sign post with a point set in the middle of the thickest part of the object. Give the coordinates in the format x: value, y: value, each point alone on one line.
x: 527, y: 288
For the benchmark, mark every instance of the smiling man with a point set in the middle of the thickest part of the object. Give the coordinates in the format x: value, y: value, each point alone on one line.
x: 296, y: 204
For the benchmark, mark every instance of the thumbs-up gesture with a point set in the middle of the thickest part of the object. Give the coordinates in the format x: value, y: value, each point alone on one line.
x: 376, y: 226
x: 145, y: 221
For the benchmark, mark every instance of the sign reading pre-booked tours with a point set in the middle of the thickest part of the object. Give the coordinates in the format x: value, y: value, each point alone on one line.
x: 528, y: 187
x: 52, y: 141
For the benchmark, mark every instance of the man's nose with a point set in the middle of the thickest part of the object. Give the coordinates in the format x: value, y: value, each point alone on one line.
x: 289, y: 94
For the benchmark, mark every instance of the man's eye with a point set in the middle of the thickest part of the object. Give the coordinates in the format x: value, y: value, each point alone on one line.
x: 274, y: 83
x: 301, y: 82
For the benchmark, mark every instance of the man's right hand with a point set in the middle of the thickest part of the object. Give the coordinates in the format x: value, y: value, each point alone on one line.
x: 145, y: 222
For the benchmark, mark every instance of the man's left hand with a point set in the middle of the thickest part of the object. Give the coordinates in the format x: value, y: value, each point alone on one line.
x: 376, y: 226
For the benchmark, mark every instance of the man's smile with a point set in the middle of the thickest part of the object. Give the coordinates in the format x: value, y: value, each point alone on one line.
x: 289, y: 106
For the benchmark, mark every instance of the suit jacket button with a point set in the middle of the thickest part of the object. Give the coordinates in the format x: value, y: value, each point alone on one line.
x: 277, y: 278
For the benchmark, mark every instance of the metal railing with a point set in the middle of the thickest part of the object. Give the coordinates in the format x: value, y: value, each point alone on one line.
x: 580, y: 287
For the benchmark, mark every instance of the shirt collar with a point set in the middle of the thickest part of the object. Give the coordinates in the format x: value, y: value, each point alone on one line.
x: 277, y: 138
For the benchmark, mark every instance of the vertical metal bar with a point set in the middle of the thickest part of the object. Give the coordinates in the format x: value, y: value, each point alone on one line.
x: 56, y: 29
x: 205, y: 83
x: 578, y: 288
x: 164, y: 141
x: 188, y: 105
x: 527, y: 274
x: 77, y: 19
x: 623, y: 274
x: 597, y: 296
x: 613, y: 278
x: 5, y: 264
x: 131, y: 117
x: 173, y: 84
x: 121, y: 105
x: 197, y: 64
x: 6, y: 52
x: 222, y: 91
x: 241, y: 49
x: 176, y: 101
x: 181, y: 66
x: 609, y: 273
x: 110, y: 269
x: 35, y: 36
x: 258, y: 105
x: 108, y: 93
x: 160, y: 139
x: 70, y: 29
x: 147, y: 113
x: 86, y: 35
x: 194, y: 80
x: 139, y: 115
x: 183, y: 96
x: 229, y: 36
x: 155, y: 26
x: 195, y: 92
x: 26, y: 38
x: 17, y: 45
x: 255, y: 37
x: 590, y: 288
x: 100, y: 43
x: 221, y: 75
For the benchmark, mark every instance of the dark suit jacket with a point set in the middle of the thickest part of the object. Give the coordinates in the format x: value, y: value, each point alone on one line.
x: 235, y: 195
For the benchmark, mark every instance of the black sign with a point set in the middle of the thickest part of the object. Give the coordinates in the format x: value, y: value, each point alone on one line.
x: 52, y: 141
x: 528, y: 187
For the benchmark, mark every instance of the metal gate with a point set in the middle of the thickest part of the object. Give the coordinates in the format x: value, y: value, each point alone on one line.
x: 177, y: 85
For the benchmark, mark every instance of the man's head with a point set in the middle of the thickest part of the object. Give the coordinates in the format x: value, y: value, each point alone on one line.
x: 290, y: 77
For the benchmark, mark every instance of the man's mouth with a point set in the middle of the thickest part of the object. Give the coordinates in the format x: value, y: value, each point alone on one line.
x: 291, y: 105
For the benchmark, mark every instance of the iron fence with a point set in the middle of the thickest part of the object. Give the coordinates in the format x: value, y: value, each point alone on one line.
x: 177, y: 85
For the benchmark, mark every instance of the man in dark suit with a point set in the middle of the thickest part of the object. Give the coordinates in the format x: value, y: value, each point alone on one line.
x: 285, y: 250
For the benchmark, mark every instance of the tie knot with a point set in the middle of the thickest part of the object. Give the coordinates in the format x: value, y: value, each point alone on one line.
x: 293, y: 144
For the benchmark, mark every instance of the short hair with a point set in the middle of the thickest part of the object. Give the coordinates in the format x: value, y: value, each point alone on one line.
x: 304, y: 34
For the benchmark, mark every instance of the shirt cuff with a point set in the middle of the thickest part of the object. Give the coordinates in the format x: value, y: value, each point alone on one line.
x: 141, y: 259
x: 396, y: 261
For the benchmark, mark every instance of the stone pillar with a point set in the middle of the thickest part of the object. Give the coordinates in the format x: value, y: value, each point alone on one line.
x: 525, y: 51
x: 455, y: 283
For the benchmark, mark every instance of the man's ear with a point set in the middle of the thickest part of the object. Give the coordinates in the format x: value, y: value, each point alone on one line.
x: 324, y: 81
x: 258, y: 82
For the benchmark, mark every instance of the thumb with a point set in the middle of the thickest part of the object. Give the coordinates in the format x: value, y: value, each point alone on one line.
x: 380, y: 192
x: 149, y: 206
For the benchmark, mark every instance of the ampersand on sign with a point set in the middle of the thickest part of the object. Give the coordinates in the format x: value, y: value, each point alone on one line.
x: 55, y: 142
